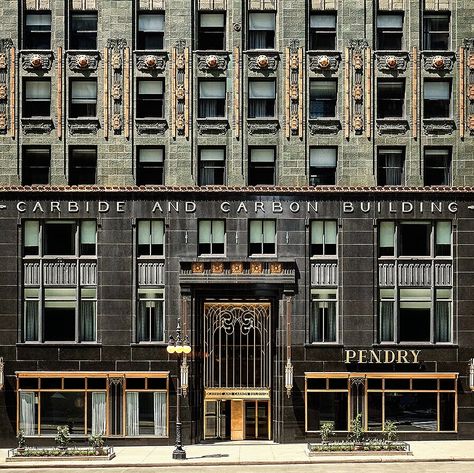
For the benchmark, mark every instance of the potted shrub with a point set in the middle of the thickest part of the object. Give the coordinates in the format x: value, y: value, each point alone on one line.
x: 357, y: 432
x: 327, y: 431
x: 63, y: 437
x: 390, y: 430
x: 21, y: 441
x: 97, y: 443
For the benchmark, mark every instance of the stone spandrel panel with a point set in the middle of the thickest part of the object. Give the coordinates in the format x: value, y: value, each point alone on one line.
x: 84, y: 4
x: 437, y: 5
x: 391, y: 5
x: 324, y: 4
x: 38, y: 4
x: 262, y: 4
x: 151, y: 4
x: 212, y: 4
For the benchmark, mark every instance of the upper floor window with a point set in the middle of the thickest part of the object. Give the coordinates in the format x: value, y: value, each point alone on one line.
x: 322, y: 166
x: 323, y: 98
x: 82, y: 166
x: 212, y: 103
x: 436, y: 31
x: 150, y: 98
x: 83, y: 101
x: 322, y: 31
x: 262, y: 237
x: 150, y: 316
x: 261, y: 98
x: 323, y: 317
x: 261, y: 166
x: 390, y: 98
x: 83, y: 30
x: 211, y: 32
x: 437, y: 99
x: 323, y: 238
x: 437, y: 166
x: 261, y: 30
x: 211, y: 237
x: 150, y: 166
x: 37, y: 30
x: 211, y: 166
x: 150, y: 238
x: 36, y: 98
x: 151, y: 31
x: 390, y: 166
x: 36, y: 162
x: 390, y: 32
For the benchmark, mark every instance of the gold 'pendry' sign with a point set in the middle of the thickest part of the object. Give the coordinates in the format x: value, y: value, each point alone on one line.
x: 382, y: 356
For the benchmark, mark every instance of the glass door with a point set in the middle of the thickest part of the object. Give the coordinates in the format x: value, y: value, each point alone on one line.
x: 216, y: 415
x: 257, y: 420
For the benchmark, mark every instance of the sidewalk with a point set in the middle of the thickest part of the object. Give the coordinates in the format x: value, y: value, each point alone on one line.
x: 253, y: 454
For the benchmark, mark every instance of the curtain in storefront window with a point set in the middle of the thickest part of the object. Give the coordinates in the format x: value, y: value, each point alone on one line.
x: 386, y: 321
x: 443, y: 321
x: 87, y: 314
x: 27, y: 413
x: 31, y: 321
x: 160, y: 413
x: 133, y: 415
x: 98, y: 413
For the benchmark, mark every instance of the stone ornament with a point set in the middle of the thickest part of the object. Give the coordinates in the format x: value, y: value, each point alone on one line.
x: 393, y: 127
x: 151, y: 62
x: 117, y: 122
x: 471, y: 92
x: 217, y: 268
x: 180, y: 92
x: 237, y: 26
x: 260, y: 62
x: 116, y: 61
x: 83, y: 62
x: 256, y: 268
x: 471, y: 62
x: 358, y: 62
x: 294, y: 92
x: 392, y: 62
x: 3, y: 61
x: 236, y: 268
x: 212, y: 62
x: 37, y: 62
x: 439, y: 127
x: 197, y: 267
x: 439, y: 62
x: 116, y: 91
x: 40, y: 126
x: 181, y: 62
x: 294, y: 122
x: 470, y: 123
x: 180, y: 121
x: 87, y: 126
x: 3, y: 91
x: 324, y: 62
x: 358, y: 92
x: 263, y: 128
x: 3, y: 121
x: 217, y: 128
x: 294, y: 62
x: 358, y: 123
x: 324, y: 127
x: 153, y: 127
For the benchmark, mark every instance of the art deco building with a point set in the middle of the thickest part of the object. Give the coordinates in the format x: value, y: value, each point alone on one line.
x: 291, y: 179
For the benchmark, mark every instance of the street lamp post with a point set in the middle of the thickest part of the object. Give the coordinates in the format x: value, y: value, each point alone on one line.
x: 180, y: 347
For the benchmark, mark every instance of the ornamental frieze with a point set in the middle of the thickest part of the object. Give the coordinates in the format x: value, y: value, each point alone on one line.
x: 263, y: 128
x: 260, y: 62
x: 213, y: 62
x: 439, y: 126
x: 35, y: 62
x: 213, y: 127
x: 324, y: 62
x: 324, y: 126
x: 36, y: 126
x: 147, y: 62
x: 147, y: 127
x: 83, y: 126
x: 392, y: 127
x: 438, y: 61
x: 81, y: 62
x: 392, y: 62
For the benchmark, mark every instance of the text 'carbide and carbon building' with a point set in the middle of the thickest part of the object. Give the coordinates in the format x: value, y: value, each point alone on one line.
x: 292, y: 180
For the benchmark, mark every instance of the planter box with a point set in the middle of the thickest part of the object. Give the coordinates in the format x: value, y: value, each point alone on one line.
x: 358, y: 453
x: 13, y: 456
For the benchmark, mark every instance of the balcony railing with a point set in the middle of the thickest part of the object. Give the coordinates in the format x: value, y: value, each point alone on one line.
x: 151, y: 273
x: 324, y: 274
x: 59, y: 272
x: 415, y: 273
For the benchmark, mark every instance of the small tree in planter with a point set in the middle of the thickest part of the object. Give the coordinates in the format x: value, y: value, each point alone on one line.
x: 97, y: 442
x: 327, y: 431
x: 20, y: 437
x: 357, y: 429
x: 63, y: 437
x: 390, y: 430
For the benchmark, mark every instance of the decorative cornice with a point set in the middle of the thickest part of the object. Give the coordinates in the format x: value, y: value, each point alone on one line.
x: 267, y: 127
x: 392, y: 126
x: 36, y: 126
x: 438, y: 61
x: 443, y: 126
x: 83, y: 126
x: 213, y: 127
x: 324, y: 126
x: 263, y: 61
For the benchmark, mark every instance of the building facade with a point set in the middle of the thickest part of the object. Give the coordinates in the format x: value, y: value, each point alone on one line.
x: 291, y: 182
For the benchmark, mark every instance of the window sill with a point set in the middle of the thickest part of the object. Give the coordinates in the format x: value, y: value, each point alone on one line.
x: 323, y: 125
x: 415, y: 344
x: 152, y: 126
x: 439, y: 126
x: 263, y: 125
x: 37, y: 125
x: 149, y: 344
x: 324, y: 345
x: 60, y: 344
x: 83, y: 125
x: 392, y: 126
x: 213, y: 126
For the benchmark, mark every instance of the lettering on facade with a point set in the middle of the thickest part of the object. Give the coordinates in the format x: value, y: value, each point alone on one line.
x: 382, y: 356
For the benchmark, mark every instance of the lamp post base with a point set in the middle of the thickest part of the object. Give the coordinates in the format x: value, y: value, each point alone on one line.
x: 179, y: 454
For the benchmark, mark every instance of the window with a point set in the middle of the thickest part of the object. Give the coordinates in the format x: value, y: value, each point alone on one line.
x: 211, y: 237
x: 387, y: 239
x: 437, y: 99
x: 443, y: 238
x: 151, y: 31
x: 390, y: 99
x: 150, y: 316
x: 415, y: 239
x: 390, y: 32
x: 390, y: 166
x: 322, y: 32
x: 35, y: 166
x: 323, y: 321
x: 37, y: 98
x: 322, y: 166
x: 261, y: 30
x: 151, y: 235
x: 150, y: 166
x: 37, y: 32
x: 82, y: 166
x: 323, y: 98
x: 262, y: 237
x: 83, y: 98
x: 211, y: 33
x: 323, y: 238
x: 83, y: 31
x: 436, y: 31
x: 262, y: 166
x: 212, y: 99
x: 150, y: 99
x: 261, y: 99
x: 211, y: 166
x: 437, y: 166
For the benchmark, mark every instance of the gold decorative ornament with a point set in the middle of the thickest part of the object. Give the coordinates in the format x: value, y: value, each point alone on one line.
x: 36, y: 61
x: 358, y: 61
x: 294, y: 122
x: 83, y: 61
x: 262, y: 61
x: 438, y: 62
x: 358, y: 92
x: 180, y: 62
x: 116, y: 61
x: 180, y: 122
x: 116, y: 122
x: 150, y: 62
x: 180, y: 92
x: 358, y: 122
x: 197, y: 267
x: 294, y: 92
x: 3, y: 121
x: 471, y: 61
x: 471, y: 93
x: 116, y: 91
x: 471, y: 122
x: 212, y: 61
x: 256, y: 268
x: 323, y: 62
x: 275, y: 268
x: 236, y: 268
x: 294, y: 63
x: 3, y: 61
x: 217, y: 267
x: 391, y: 62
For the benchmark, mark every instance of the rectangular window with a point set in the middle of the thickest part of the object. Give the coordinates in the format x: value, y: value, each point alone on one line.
x: 387, y: 315
x: 150, y: 316
x: 150, y: 98
x: 261, y: 166
x: 59, y: 238
x: 436, y: 30
x: 146, y: 413
x: 437, y: 99
x: 83, y: 31
x: 387, y: 239
x: 151, y: 235
x: 211, y: 237
x: 323, y: 321
x: 88, y: 238
x: 31, y: 238
x: 390, y: 31
x: 323, y: 238
x: 83, y: 98
x: 261, y: 30
x: 414, y: 238
x: 390, y: 166
x: 323, y: 98
x: 211, y: 166
x: 443, y: 239
x: 390, y: 98
x: 261, y: 99
x: 322, y: 31
x: 150, y: 166
x: 37, y: 30
x: 212, y: 103
x: 437, y: 166
x: 82, y: 166
x: 443, y: 316
x: 211, y: 32
x: 322, y: 166
x: 415, y: 315
x: 262, y: 237
x: 36, y: 164
x: 151, y: 31
x: 37, y: 98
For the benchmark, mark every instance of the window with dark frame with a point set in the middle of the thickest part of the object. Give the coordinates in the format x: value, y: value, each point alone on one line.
x: 36, y: 163
x: 83, y: 30
x: 82, y: 166
x: 436, y: 31
x: 323, y: 319
x: 83, y: 98
x: 211, y: 166
x: 261, y: 166
x: 390, y: 31
x: 322, y: 166
x: 390, y: 98
x: 262, y: 237
x: 150, y: 238
x: 150, y: 315
x: 211, y: 237
x: 322, y: 31
x: 212, y: 99
x: 437, y: 99
x: 150, y: 98
x: 150, y: 166
x: 437, y: 166
x: 211, y: 31
x: 36, y: 98
x: 261, y: 99
x: 323, y: 98
x: 390, y: 166
x: 261, y: 33
x: 323, y: 238
x: 37, y: 30
x: 151, y: 31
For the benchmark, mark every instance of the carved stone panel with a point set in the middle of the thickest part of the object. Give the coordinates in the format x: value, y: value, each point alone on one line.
x: 151, y: 62
x: 392, y: 62
x: 324, y: 62
x: 36, y: 126
x: 443, y: 126
x: 82, y: 62
x: 151, y: 126
x: 38, y: 61
x: 263, y: 127
x: 83, y: 126
x: 214, y: 127
x: 392, y: 127
x: 438, y: 62
x: 260, y: 62
x: 324, y: 126
x: 213, y: 62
